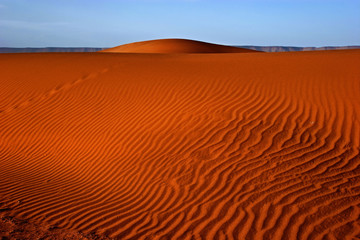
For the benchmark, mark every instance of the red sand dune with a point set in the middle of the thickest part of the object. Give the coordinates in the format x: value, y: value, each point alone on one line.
x: 175, y: 46
x: 164, y: 146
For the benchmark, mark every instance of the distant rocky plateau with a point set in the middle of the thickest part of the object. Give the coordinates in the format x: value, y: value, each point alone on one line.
x: 295, y: 49
x: 88, y: 49
x: 48, y: 49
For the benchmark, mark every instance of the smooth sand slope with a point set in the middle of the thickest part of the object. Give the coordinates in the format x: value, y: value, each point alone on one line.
x: 175, y: 46
x: 178, y: 146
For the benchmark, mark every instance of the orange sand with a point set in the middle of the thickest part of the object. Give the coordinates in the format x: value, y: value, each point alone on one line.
x: 176, y: 46
x: 183, y: 146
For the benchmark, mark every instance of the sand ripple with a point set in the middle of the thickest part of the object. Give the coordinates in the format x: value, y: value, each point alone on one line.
x: 142, y: 146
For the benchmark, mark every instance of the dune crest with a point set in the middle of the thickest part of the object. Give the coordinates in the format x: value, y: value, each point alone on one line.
x: 176, y: 46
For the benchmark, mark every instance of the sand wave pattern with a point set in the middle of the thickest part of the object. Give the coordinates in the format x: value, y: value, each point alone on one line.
x: 215, y: 146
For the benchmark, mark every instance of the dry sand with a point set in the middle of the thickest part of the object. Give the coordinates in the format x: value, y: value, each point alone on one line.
x: 181, y: 146
x: 176, y: 46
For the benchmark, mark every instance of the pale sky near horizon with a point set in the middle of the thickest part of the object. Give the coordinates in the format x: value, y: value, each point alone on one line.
x: 95, y: 23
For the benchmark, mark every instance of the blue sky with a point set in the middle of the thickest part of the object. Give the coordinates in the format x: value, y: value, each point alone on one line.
x: 107, y: 23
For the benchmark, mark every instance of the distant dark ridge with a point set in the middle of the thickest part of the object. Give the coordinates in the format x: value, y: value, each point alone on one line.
x: 48, y: 49
x: 294, y: 49
x: 86, y: 49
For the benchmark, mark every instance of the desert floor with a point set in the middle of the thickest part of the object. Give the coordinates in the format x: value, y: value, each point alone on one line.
x: 180, y: 146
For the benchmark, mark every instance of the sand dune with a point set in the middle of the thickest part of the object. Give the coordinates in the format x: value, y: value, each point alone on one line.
x: 178, y: 146
x: 90, y: 49
x: 175, y: 46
